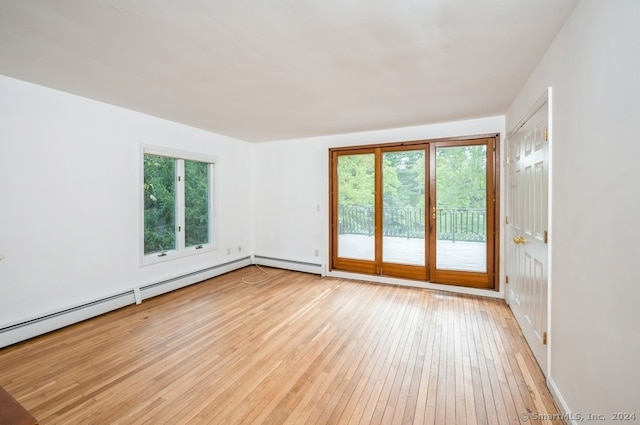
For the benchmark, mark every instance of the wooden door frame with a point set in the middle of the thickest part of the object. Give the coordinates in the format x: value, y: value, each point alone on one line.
x: 405, y: 271
x: 357, y: 266
x: 335, y: 262
x: 472, y: 279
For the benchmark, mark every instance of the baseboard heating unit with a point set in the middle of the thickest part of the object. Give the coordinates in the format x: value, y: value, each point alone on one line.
x: 29, y: 328
x: 288, y: 264
x: 158, y: 288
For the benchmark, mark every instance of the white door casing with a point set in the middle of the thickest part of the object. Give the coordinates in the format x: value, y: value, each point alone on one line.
x: 527, y: 219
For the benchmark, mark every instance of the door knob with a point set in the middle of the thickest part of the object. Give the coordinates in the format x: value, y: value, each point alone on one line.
x: 518, y: 240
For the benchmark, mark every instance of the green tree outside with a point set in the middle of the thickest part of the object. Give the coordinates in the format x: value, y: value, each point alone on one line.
x: 159, y: 203
x: 461, y: 191
x: 196, y: 180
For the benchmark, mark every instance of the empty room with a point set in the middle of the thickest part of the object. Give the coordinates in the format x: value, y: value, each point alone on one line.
x: 331, y: 212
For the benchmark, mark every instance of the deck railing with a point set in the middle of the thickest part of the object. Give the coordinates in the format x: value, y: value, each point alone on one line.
x: 453, y: 224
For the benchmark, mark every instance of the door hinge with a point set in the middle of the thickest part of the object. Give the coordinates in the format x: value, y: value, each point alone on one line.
x: 546, y: 134
x: 506, y: 279
x: 544, y: 338
x: 546, y: 236
x: 506, y: 219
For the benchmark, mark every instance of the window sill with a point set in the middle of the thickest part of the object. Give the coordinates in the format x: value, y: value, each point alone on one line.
x: 170, y: 255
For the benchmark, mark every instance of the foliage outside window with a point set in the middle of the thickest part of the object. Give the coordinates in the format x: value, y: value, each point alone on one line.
x: 177, y: 204
x: 467, y: 167
x: 196, y: 222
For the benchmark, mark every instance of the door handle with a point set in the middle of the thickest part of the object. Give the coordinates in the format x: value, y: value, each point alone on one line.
x: 518, y: 240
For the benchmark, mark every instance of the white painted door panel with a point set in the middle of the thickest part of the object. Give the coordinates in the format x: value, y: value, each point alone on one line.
x: 527, y: 224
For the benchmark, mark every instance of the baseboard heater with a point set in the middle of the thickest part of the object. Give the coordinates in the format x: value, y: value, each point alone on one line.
x: 168, y: 285
x: 282, y: 263
x: 26, y: 329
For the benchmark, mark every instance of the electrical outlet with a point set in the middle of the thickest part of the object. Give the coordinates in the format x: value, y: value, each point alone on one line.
x: 317, y: 253
x: 228, y: 251
x: 239, y: 248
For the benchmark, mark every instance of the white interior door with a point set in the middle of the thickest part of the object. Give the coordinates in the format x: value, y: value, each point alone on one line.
x: 527, y: 225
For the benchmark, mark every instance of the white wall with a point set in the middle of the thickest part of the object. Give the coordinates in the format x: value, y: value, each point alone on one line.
x: 69, y: 189
x: 293, y: 181
x: 594, y: 69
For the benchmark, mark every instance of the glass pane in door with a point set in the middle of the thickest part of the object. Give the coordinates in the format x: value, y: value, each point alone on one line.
x: 403, y: 188
x: 461, y: 208
x: 356, y: 200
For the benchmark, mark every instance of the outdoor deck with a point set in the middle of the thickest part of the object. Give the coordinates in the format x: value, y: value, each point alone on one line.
x: 458, y: 255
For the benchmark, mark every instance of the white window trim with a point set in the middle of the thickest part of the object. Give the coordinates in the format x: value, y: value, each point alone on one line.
x: 181, y: 251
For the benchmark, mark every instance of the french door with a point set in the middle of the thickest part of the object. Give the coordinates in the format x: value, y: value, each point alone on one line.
x: 421, y: 210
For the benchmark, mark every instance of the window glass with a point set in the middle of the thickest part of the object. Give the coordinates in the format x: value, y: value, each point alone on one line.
x: 178, y: 200
x: 196, y: 223
x: 159, y: 204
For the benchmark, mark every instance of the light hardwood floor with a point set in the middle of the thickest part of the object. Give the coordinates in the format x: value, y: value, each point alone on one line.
x: 298, y: 349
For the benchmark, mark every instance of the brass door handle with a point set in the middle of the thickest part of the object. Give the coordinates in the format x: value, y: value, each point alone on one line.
x: 518, y: 240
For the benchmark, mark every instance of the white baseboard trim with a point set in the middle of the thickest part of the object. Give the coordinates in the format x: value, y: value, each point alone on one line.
x: 45, y: 323
x: 28, y: 328
x: 289, y: 264
x: 168, y: 285
x: 562, y: 404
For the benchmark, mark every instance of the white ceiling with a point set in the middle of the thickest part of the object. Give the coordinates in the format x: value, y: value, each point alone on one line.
x: 278, y: 69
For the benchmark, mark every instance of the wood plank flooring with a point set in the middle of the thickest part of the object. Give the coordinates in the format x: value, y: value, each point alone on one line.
x: 297, y: 349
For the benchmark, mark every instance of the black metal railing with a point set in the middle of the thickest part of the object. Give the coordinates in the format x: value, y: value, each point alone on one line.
x: 461, y: 224
x: 454, y: 224
x: 355, y: 220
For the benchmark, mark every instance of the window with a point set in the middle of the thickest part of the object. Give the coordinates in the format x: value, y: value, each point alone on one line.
x: 177, y: 204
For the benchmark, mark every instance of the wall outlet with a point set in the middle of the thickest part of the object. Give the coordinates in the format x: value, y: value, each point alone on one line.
x: 239, y: 248
x: 228, y: 251
x: 317, y: 253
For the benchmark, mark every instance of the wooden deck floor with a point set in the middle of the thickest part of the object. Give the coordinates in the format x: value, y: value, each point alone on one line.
x: 459, y: 255
x: 297, y: 349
